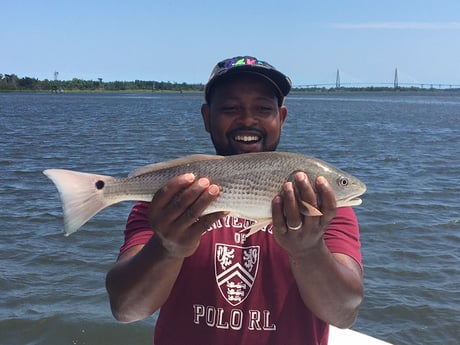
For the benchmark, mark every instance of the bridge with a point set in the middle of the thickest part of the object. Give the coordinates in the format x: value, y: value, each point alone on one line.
x: 395, y: 84
x: 428, y: 86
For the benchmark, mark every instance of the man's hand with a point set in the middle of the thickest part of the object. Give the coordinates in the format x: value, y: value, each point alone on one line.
x: 175, y: 210
x: 294, y: 231
x: 330, y: 284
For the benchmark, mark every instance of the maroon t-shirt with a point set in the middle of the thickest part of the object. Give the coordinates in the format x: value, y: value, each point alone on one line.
x: 238, y: 290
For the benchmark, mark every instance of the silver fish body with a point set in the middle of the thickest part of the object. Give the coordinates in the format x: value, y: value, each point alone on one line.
x: 248, y: 184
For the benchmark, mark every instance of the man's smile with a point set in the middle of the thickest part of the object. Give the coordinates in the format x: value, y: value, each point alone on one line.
x: 246, y: 138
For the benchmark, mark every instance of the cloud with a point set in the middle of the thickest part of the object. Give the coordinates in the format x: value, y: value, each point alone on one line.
x: 398, y: 26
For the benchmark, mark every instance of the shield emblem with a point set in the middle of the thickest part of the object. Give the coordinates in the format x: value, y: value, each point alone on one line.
x: 236, y: 269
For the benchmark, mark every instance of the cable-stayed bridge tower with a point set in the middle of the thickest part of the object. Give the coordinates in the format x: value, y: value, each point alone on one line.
x: 396, y: 83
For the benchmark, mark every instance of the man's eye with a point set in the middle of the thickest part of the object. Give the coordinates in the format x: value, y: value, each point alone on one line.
x: 229, y: 109
x: 264, y: 110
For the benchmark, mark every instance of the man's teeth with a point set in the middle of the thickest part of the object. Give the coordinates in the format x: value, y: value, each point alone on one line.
x: 246, y: 138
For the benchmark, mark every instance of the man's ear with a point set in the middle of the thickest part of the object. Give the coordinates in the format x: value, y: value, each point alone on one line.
x: 205, y: 114
x: 283, y: 114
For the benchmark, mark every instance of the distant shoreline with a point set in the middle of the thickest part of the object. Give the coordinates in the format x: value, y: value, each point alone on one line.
x: 342, y: 90
x: 12, y: 83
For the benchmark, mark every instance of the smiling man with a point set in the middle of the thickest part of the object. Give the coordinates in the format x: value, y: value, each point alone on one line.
x: 247, y: 106
x: 214, y: 285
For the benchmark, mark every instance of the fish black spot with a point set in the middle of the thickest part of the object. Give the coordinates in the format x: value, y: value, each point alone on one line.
x: 100, y: 184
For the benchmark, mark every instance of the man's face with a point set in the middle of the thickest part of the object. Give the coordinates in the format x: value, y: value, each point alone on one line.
x: 243, y: 116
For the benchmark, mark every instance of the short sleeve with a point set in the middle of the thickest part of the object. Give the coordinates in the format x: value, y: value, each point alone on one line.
x: 342, y: 235
x: 138, y: 230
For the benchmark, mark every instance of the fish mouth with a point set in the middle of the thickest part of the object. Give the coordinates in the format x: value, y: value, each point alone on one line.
x: 353, y: 199
x: 350, y: 202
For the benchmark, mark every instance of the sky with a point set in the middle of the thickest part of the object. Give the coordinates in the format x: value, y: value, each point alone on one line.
x: 181, y: 41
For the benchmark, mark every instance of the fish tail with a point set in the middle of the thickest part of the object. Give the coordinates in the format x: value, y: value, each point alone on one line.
x: 81, y: 194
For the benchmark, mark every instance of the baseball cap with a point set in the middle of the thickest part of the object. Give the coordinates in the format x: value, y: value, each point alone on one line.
x: 249, y: 64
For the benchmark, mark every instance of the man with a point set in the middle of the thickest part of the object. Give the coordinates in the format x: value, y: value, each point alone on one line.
x: 214, y: 285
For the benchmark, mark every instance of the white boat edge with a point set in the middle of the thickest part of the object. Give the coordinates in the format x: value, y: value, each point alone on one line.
x: 339, y: 336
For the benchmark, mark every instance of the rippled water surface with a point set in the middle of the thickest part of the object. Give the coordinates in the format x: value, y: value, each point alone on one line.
x: 404, y: 146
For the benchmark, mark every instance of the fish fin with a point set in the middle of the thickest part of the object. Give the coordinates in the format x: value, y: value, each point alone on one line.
x: 172, y: 163
x: 257, y: 226
x: 81, y: 195
x: 309, y: 210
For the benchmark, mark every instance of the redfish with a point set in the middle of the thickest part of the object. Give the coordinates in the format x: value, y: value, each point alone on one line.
x: 248, y: 184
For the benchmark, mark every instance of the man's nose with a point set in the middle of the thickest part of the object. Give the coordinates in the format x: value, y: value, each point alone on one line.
x: 248, y: 118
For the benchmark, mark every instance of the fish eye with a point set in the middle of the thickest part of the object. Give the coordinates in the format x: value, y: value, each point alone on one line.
x: 342, y: 181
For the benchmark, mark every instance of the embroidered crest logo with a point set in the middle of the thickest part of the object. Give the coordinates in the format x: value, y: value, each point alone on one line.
x: 236, y: 269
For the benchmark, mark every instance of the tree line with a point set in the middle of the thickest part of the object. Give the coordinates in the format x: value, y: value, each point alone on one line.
x: 11, y: 82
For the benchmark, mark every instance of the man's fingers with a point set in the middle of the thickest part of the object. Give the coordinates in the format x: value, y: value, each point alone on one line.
x: 328, y: 201
x: 278, y: 214
x: 181, y: 201
x: 196, y: 199
x: 164, y: 195
x: 305, y: 190
x: 291, y: 207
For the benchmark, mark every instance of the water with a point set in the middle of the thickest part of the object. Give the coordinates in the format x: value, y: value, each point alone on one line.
x: 404, y: 146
